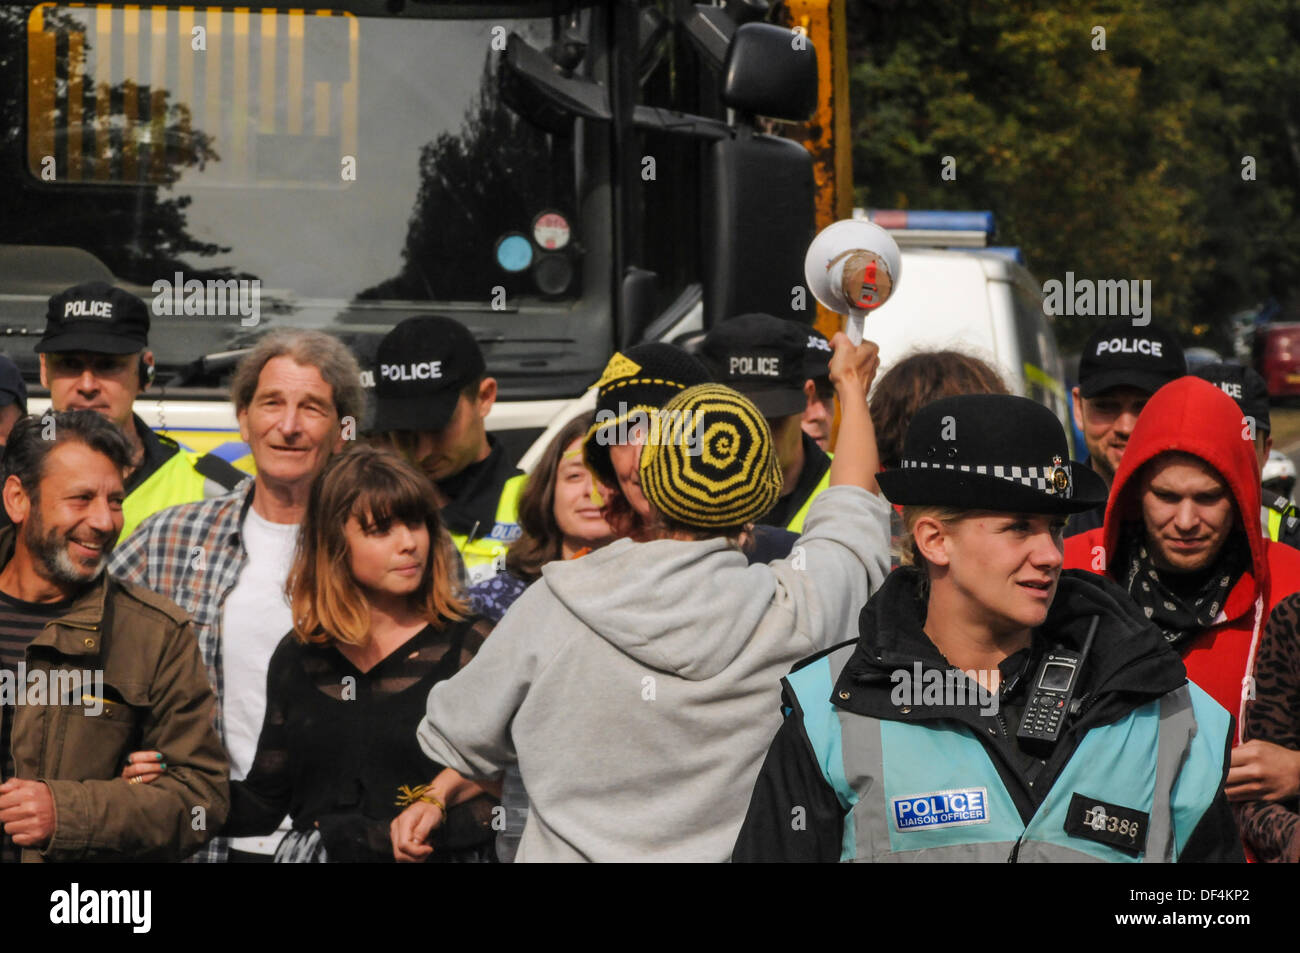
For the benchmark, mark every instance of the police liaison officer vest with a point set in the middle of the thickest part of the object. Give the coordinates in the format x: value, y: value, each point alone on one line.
x: 484, y: 555
x: 930, y: 792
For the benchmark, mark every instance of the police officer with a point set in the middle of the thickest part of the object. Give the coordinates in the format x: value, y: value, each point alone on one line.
x: 765, y: 358
x: 432, y: 398
x: 1278, y: 513
x: 1279, y: 474
x: 94, y: 356
x: 819, y: 412
x: 1120, y: 367
x: 910, y: 743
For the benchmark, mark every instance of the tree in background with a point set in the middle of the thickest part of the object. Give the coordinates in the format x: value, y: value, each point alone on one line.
x: 1123, y: 162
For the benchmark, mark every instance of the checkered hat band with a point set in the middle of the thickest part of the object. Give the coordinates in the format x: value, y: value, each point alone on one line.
x: 1036, y: 478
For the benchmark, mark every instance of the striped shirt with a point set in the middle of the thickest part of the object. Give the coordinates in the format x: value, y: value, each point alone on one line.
x: 193, y: 554
x: 20, y: 622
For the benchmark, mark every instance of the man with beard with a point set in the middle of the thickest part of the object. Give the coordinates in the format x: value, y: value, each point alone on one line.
x: 89, y: 664
x: 1120, y: 368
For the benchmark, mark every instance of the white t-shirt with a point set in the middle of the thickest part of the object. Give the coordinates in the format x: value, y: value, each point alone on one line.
x: 255, y: 618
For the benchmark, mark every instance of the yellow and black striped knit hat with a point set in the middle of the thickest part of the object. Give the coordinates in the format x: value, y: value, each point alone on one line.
x: 710, y: 461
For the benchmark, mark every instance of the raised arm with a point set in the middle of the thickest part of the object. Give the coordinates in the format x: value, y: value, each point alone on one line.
x: 852, y: 369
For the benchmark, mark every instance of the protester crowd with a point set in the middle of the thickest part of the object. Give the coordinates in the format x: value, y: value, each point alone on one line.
x: 692, y: 632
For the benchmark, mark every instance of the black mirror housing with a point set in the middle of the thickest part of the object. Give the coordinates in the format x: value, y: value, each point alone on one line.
x: 540, y: 91
x: 759, y: 223
x: 770, y: 71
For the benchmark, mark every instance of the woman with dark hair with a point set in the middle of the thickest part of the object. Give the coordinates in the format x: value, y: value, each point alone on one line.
x: 915, y: 381
x: 560, y: 517
x: 377, y: 623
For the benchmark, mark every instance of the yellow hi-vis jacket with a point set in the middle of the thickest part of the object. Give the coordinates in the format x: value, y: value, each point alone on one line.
x: 796, y: 522
x: 185, y: 477
x: 485, y: 554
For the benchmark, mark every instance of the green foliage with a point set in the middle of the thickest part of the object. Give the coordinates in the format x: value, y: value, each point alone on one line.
x: 1117, y: 163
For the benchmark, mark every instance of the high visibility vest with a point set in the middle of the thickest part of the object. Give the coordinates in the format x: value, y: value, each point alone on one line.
x: 1274, y: 513
x: 176, y: 481
x: 1274, y: 524
x: 796, y: 522
x: 485, y: 554
x: 930, y: 791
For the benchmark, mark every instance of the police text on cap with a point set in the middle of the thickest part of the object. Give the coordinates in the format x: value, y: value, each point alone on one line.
x: 88, y: 309
x: 1129, y: 346
x: 423, y: 371
x: 764, y: 366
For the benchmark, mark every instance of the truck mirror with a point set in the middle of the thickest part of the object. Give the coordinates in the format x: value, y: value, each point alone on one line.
x: 770, y: 71
x: 543, y: 93
x: 760, y: 219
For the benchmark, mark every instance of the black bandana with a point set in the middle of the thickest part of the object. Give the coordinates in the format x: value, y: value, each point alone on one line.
x: 1190, y: 604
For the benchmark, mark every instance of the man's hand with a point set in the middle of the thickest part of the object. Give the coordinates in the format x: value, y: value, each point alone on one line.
x: 411, y: 829
x: 1263, y: 771
x: 27, y: 812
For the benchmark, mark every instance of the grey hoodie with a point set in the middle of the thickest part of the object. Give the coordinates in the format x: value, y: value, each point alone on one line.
x: 639, y: 686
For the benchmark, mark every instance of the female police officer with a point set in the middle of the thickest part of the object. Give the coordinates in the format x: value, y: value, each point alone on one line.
x: 994, y: 707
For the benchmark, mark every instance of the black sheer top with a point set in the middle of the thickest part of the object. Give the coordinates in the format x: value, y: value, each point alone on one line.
x: 338, y: 749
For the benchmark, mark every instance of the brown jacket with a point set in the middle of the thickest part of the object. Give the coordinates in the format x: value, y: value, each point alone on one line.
x: 155, y: 696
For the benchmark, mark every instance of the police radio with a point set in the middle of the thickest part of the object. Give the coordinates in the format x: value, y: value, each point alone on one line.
x: 1051, y: 700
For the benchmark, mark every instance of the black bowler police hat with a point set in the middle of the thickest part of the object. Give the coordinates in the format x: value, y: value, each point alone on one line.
x: 421, y: 367
x: 990, y: 452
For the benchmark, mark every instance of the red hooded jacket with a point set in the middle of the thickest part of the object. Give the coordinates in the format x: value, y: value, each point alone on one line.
x: 1195, y: 417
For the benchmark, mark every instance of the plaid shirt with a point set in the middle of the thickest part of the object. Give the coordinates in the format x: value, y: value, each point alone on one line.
x: 193, y: 554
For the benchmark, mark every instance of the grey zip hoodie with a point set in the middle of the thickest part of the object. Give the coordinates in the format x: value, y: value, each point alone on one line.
x: 639, y: 686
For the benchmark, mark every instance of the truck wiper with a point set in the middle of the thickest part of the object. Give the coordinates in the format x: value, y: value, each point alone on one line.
x: 208, y: 369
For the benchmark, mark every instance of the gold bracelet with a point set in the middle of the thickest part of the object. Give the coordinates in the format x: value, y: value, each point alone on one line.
x: 429, y: 798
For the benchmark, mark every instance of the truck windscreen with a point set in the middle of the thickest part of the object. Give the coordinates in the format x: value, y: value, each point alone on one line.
x: 351, y: 166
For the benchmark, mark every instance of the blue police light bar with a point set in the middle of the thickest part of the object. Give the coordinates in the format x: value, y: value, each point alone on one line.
x: 1008, y: 251
x: 932, y: 220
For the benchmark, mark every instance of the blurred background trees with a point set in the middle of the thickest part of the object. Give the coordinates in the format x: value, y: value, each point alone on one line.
x: 1122, y: 162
